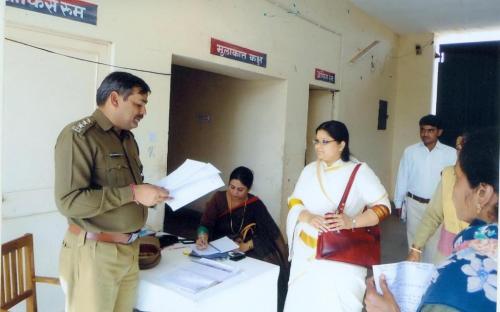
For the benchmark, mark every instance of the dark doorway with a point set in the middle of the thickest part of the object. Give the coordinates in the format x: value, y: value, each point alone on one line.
x: 468, y: 91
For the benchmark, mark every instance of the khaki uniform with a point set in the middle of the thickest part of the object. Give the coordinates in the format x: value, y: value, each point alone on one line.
x: 94, y: 167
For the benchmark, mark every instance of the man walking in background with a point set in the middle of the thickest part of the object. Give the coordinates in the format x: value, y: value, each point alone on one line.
x: 418, y: 175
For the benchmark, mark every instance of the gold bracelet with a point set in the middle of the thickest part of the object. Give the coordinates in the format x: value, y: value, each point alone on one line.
x: 416, y: 249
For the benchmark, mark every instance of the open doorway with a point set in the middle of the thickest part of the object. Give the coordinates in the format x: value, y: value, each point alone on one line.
x: 321, y: 108
x: 468, y: 96
x: 228, y: 121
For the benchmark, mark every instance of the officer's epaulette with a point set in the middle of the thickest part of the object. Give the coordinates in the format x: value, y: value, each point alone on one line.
x: 83, y: 125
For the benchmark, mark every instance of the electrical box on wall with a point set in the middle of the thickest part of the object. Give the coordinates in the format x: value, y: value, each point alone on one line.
x: 382, y: 115
x: 203, y: 117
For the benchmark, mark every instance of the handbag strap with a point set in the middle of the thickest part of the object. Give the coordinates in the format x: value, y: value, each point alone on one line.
x: 340, y: 208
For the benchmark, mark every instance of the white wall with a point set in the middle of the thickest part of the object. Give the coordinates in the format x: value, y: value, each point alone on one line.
x: 2, y: 13
x: 414, y: 93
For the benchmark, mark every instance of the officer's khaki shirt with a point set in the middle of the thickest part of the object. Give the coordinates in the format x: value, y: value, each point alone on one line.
x: 93, y: 172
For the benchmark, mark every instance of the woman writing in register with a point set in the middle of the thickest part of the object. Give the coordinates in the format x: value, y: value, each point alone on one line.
x: 326, y: 285
x: 244, y: 218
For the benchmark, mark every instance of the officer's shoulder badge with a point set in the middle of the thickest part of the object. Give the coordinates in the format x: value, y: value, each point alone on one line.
x: 83, y: 125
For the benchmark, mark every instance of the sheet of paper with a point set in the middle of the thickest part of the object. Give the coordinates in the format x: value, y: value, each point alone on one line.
x: 187, y: 173
x: 221, y: 245
x: 213, y: 269
x: 198, y: 275
x: 186, y: 280
x: 190, y: 181
x: 181, y: 175
x: 195, y: 190
x: 224, y: 244
x: 210, y: 250
x: 407, y: 280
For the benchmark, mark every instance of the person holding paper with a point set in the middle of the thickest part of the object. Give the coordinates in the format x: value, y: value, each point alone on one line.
x: 324, y: 285
x: 467, y: 279
x: 99, y: 188
x: 245, y: 219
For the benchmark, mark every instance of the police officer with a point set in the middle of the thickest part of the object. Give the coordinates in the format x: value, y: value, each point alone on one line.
x: 99, y: 188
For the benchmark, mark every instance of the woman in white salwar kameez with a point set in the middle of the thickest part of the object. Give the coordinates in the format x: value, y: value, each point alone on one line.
x: 325, y: 285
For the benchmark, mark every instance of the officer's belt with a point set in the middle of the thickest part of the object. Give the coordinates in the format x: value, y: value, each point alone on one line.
x: 107, y: 237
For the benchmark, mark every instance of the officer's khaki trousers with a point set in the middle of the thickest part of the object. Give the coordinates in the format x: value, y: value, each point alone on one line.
x: 97, y: 276
x: 414, y: 213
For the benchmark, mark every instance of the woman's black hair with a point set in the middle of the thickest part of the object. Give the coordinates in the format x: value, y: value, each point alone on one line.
x: 244, y: 175
x: 479, y: 157
x: 338, y: 131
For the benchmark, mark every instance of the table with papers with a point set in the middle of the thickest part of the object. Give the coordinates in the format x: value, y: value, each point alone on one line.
x: 243, y: 282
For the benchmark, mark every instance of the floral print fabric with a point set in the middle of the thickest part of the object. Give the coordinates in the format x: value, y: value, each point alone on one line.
x: 467, y: 280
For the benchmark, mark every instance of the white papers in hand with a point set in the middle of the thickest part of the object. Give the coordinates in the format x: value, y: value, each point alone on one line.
x: 198, y: 275
x: 190, y: 181
x: 407, y: 281
x: 221, y: 245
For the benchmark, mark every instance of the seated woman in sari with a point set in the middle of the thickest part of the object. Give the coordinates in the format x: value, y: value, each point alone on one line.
x: 467, y: 280
x: 244, y: 218
x: 326, y: 285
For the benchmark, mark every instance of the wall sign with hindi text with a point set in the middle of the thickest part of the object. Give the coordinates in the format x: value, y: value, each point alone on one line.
x: 323, y: 75
x: 234, y: 52
x: 75, y: 10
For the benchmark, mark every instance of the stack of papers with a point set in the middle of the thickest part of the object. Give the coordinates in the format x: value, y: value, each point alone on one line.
x: 215, y: 248
x: 190, y: 181
x: 198, y: 275
x: 407, y: 281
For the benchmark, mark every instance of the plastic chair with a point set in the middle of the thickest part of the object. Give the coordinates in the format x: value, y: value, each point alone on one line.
x: 18, y: 281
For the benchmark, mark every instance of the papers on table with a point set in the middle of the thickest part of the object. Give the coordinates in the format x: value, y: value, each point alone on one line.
x: 198, y: 275
x: 407, y: 281
x: 218, y: 246
x: 190, y: 181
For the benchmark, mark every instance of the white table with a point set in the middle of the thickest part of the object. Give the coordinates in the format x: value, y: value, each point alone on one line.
x: 253, y: 289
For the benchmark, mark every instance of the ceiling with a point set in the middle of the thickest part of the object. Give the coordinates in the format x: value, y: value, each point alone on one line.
x: 435, y: 16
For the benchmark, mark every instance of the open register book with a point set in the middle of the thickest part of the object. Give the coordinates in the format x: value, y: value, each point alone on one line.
x: 197, y: 275
x: 407, y: 281
x: 216, y: 249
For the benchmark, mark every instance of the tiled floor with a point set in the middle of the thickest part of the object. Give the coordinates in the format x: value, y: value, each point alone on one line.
x: 393, y: 241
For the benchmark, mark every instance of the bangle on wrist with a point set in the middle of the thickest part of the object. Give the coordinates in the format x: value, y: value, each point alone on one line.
x: 132, y: 187
x: 202, y: 230
x: 415, y: 249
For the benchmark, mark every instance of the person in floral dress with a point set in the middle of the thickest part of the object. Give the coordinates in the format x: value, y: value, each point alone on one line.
x: 467, y: 280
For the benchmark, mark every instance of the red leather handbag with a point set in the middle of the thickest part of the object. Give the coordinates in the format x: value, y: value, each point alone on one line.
x: 360, y: 246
